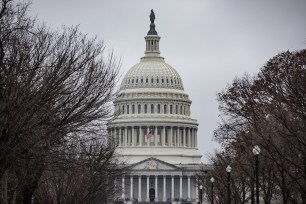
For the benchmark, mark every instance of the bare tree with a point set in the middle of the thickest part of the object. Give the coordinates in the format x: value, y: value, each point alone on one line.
x: 55, y: 87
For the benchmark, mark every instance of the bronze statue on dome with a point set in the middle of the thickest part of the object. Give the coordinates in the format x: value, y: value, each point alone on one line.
x: 152, y: 16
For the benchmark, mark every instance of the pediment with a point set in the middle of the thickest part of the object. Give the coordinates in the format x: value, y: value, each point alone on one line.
x: 153, y: 164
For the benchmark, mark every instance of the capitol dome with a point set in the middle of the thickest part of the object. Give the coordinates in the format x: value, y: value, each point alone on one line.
x: 152, y: 112
x: 154, y: 73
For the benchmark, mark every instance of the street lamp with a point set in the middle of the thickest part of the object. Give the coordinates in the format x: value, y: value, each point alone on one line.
x: 201, y: 193
x: 256, y: 151
x: 212, y: 180
x: 228, y: 170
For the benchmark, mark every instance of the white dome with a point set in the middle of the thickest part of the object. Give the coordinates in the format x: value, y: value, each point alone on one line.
x: 152, y: 73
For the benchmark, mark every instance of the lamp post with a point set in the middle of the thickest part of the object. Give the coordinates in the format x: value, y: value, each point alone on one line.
x: 256, y: 151
x: 201, y: 193
x: 228, y: 170
x: 212, y: 180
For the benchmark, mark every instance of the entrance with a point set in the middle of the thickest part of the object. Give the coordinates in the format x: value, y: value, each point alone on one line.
x: 152, y: 194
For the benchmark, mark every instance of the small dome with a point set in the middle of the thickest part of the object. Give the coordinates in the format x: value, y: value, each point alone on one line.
x: 152, y: 73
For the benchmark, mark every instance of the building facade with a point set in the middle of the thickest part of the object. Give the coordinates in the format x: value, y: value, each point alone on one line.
x: 155, y: 132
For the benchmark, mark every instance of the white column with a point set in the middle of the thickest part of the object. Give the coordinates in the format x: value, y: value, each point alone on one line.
x: 120, y: 144
x: 189, y: 139
x: 148, y: 198
x: 172, y: 188
x: 123, y: 185
x: 155, y: 136
x: 163, y: 136
x: 196, y: 138
x: 181, y: 187
x: 171, y: 136
x: 156, y: 188
x: 148, y: 141
x: 188, y: 198
x: 164, y: 194
x: 139, y: 188
x: 178, y: 137
x: 114, y: 135
x: 140, y: 136
x: 184, y: 137
x: 125, y: 137
x: 131, y: 188
x: 133, y: 136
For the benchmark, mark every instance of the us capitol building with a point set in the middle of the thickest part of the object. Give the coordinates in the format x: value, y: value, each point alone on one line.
x: 155, y: 132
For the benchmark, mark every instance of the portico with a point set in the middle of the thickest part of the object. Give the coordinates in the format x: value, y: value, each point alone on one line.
x: 155, y: 180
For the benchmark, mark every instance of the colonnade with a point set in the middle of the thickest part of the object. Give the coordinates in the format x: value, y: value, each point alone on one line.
x: 170, y: 136
x: 128, y: 190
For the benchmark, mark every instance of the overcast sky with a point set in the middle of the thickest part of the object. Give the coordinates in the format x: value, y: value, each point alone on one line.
x: 209, y: 42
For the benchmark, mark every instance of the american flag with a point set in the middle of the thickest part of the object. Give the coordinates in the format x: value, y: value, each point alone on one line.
x: 149, y: 135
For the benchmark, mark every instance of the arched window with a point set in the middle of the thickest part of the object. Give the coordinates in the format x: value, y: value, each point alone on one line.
x: 162, y: 80
x: 145, y: 108
x: 152, y: 80
x: 141, y: 80
x: 158, y: 108
x: 128, y: 109
x: 123, y: 109
x: 184, y: 110
x: 139, y: 108
x: 181, y: 109
x: 157, y: 80
x: 152, y: 108
x: 132, y: 81
x: 133, y: 109
x: 176, y: 109
x: 165, y: 108
x: 137, y: 80
x: 147, y: 80
x: 170, y: 109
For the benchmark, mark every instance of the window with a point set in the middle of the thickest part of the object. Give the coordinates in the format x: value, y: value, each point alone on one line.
x: 165, y: 108
x: 128, y: 109
x: 181, y: 110
x: 137, y: 80
x: 123, y: 109
x: 147, y: 80
x: 157, y: 80
x: 167, y: 81
x: 145, y: 108
x: 170, y: 109
x: 141, y: 80
x: 139, y: 108
x: 158, y: 108
x: 152, y: 108
x: 162, y: 80
x: 133, y: 109
x: 152, y: 80
x: 176, y: 109
x: 132, y: 81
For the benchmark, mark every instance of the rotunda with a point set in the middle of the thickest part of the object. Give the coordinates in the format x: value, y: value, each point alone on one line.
x: 154, y: 130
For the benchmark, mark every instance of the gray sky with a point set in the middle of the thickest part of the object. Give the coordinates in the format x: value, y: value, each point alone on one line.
x: 209, y: 42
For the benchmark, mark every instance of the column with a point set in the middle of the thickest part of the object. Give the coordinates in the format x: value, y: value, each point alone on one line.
x: 181, y: 187
x: 178, y: 137
x: 189, y: 139
x: 139, y: 188
x: 156, y: 188
x: 131, y: 188
x: 140, y: 136
x: 120, y: 144
x: 196, y: 138
x: 164, y: 136
x: 171, y: 136
x: 172, y: 188
x: 188, y: 198
x: 184, y: 137
x: 155, y: 136
x: 148, y: 141
x: 125, y: 137
x: 133, y: 136
x: 123, y: 185
x: 114, y: 135
x: 148, y: 198
x: 164, y: 194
